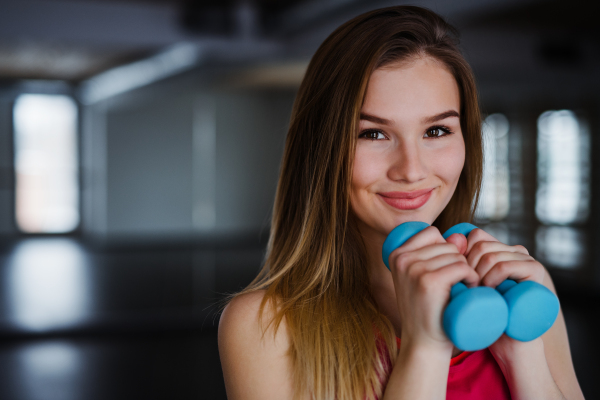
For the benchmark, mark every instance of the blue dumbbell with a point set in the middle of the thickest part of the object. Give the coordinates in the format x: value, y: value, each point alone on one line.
x: 532, y: 308
x: 475, y: 318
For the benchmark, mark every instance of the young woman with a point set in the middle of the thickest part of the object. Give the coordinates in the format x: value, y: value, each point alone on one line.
x: 385, y: 129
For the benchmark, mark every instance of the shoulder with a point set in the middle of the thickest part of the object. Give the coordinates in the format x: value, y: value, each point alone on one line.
x: 254, y: 357
x: 240, y: 311
x: 240, y: 320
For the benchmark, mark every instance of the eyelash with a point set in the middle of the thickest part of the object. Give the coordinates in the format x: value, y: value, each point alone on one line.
x: 442, y: 128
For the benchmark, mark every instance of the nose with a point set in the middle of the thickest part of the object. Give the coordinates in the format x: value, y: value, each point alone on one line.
x: 408, y: 163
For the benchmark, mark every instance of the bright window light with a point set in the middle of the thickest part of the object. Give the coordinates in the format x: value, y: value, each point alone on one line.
x: 46, y: 165
x: 47, y: 284
x: 51, y: 370
x: 563, y: 168
x: 494, y: 199
x: 560, y: 246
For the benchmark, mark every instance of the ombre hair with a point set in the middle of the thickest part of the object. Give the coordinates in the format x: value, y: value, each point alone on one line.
x: 315, y: 272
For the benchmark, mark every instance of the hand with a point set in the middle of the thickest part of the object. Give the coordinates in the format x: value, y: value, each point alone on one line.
x: 494, y: 262
x: 424, y: 269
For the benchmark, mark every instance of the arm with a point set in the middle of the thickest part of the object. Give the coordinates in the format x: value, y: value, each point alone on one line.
x: 423, y: 270
x: 558, y: 353
x: 543, y: 367
x: 419, y: 373
x: 257, y: 367
x: 254, y: 366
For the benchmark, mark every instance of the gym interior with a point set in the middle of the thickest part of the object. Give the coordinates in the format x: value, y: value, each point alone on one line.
x: 140, y: 143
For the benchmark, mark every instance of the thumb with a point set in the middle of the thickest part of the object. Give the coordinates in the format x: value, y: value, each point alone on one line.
x: 460, y: 241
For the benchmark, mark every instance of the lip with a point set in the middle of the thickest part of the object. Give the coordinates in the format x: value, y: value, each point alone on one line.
x: 407, y: 200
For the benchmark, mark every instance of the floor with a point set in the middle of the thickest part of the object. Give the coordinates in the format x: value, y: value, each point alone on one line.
x: 141, y: 366
x: 81, y: 321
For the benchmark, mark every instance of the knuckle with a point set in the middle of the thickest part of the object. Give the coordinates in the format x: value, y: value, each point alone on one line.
x: 476, y: 233
x: 503, y: 266
x: 521, y: 249
x: 403, y: 261
x: 433, y: 229
x: 427, y: 283
x: 414, y: 270
x: 489, y: 258
x: 433, y: 232
x: 478, y: 246
x: 538, y: 268
x: 486, y: 245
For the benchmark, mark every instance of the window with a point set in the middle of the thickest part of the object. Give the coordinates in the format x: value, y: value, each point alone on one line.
x: 561, y: 246
x: 563, y: 191
x: 46, y: 164
x: 563, y: 169
x: 48, y: 284
x: 494, y: 200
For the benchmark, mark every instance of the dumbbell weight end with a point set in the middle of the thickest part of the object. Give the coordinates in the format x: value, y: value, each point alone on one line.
x: 532, y: 308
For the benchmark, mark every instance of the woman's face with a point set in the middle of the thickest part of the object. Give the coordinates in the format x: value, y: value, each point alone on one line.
x: 410, y: 149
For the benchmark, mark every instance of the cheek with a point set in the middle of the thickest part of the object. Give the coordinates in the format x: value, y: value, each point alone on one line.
x: 366, y: 171
x: 449, y: 163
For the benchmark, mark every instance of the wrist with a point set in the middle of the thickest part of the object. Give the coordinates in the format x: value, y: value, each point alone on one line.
x: 513, y: 354
x: 425, y: 349
x: 420, y: 371
x: 526, y: 370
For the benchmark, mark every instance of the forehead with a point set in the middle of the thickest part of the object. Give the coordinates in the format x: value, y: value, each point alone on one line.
x: 411, y: 90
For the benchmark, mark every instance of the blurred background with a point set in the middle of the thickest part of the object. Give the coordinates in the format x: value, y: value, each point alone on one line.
x: 140, y: 143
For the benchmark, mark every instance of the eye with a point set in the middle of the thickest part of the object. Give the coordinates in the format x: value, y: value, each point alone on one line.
x: 436, y: 132
x: 372, y: 135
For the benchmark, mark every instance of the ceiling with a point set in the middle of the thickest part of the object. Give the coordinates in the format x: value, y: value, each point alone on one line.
x: 74, y: 40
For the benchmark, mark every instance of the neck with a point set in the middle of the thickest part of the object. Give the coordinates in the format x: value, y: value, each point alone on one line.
x: 380, y: 281
x: 382, y: 287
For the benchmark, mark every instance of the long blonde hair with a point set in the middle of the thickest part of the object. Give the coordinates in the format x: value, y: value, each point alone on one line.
x: 315, y: 272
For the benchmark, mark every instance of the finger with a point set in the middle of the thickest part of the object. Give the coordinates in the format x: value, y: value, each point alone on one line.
x: 488, y: 260
x: 529, y: 270
x: 420, y: 267
x: 445, y: 278
x: 459, y: 240
x: 478, y: 235
x: 479, y: 249
x: 424, y: 253
x: 427, y: 236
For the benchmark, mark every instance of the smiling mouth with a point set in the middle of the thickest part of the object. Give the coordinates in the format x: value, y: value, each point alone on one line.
x: 407, y: 200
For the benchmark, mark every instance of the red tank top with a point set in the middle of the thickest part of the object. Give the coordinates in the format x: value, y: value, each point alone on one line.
x: 475, y: 375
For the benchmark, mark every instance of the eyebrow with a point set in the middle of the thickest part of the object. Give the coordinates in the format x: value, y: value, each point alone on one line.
x: 441, y: 116
x: 377, y: 120
x: 427, y: 120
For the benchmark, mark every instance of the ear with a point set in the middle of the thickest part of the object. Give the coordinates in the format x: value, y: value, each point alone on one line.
x: 459, y: 240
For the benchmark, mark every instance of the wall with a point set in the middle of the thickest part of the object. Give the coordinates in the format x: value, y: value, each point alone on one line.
x: 183, y: 159
x: 7, y: 224
x: 251, y: 129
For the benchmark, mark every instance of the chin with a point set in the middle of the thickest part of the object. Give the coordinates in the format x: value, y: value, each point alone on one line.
x: 412, y: 216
